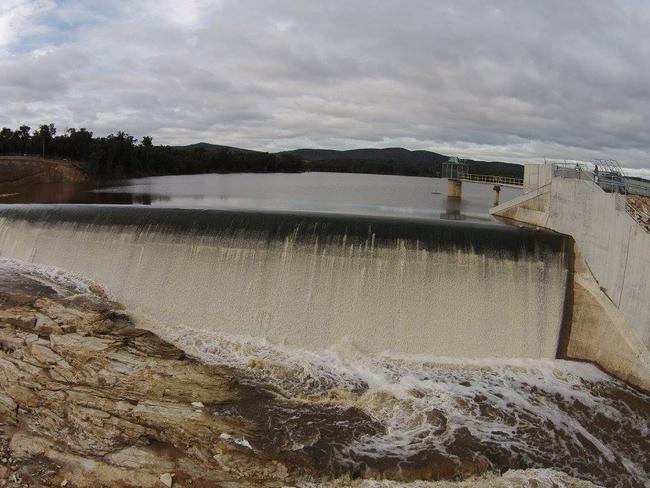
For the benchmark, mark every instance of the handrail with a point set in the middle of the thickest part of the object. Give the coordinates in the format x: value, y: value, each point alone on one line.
x: 492, y: 179
x: 638, y: 215
x: 622, y: 189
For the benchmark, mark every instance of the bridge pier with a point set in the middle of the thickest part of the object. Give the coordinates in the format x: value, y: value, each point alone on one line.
x: 497, y: 192
x: 454, y: 188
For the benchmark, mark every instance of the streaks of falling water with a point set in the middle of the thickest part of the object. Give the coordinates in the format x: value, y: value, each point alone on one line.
x: 313, y: 281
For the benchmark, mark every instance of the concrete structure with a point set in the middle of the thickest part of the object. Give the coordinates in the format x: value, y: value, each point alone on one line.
x: 497, y: 194
x: 537, y: 176
x: 610, y: 322
x: 456, y: 171
x: 314, y: 281
x: 454, y: 188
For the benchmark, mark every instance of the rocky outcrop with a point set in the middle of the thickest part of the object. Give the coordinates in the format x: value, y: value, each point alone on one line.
x: 89, y: 399
x: 86, y: 399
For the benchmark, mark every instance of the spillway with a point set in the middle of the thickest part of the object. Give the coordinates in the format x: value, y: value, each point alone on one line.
x: 313, y: 280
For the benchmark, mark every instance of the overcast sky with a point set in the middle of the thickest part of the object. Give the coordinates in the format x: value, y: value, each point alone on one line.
x: 512, y: 80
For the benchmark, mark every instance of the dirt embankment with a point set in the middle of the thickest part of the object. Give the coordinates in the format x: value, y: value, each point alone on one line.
x: 639, y: 202
x: 19, y: 171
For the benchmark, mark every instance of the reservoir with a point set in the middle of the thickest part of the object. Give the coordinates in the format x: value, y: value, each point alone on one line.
x: 341, y: 193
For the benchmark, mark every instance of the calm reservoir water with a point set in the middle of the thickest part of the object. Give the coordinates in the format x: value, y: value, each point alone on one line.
x: 356, y: 194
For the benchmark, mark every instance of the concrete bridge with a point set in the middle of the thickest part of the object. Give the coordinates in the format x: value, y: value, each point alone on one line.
x: 610, y: 298
x: 456, y: 171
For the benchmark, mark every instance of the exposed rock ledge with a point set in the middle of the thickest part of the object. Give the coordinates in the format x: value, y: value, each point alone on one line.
x: 87, y: 399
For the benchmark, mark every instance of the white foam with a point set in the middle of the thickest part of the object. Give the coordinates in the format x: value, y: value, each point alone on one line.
x: 239, y: 441
x: 51, y: 275
x: 404, y: 392
x: 529, y: 478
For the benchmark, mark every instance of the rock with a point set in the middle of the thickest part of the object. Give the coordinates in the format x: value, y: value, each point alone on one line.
x: 64, y: 482
x: 167, y: 480
x: 45, y: 355
x: 138, y: 458
x: 98, y: 396
x: 9, y: 340
x: 46, y: 326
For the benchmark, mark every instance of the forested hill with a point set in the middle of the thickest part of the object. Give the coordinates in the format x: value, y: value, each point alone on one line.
x: 398, y: 154
x: 206, y: 146
x: 392, y: 160
x: 395, y: 160
x: 121, y: 155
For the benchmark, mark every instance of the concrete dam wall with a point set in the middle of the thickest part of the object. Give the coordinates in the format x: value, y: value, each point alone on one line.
x: 313, y: 281
x: 611, y: 305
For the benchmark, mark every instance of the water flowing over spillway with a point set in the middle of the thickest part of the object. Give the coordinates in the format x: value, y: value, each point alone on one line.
x: 314, y: 281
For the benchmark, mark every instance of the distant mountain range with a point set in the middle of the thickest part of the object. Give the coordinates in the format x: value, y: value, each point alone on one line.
x: 206, y: 146
x: 392, y: 160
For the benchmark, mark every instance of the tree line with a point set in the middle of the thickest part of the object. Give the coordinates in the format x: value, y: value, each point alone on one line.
x: 121, y: 155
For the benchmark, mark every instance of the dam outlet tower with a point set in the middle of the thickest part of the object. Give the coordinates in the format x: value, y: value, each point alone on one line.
x: 454, y: 170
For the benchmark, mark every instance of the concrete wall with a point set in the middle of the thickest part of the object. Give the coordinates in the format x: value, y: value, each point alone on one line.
x: 615, y: 247
x: 599, y: 332
x: 436, y: 288
x: 531, y: 208
x: 537, y: 176
x: 616, y: 254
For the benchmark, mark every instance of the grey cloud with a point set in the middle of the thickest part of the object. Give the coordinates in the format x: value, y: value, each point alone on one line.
x: 41, y: 77
x: 499, y: 78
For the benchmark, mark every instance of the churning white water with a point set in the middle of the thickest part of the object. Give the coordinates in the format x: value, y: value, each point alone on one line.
x: 537, y: 413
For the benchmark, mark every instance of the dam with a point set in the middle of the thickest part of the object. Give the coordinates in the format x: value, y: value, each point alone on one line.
x: 312, y: 280
x: 610, y: 316
x: 402, y: 345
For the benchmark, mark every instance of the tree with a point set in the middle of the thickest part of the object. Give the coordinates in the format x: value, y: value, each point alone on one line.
x: 45, y: 134
x: 22, y: 134
x: 6, y: 135
x: 121, y: 155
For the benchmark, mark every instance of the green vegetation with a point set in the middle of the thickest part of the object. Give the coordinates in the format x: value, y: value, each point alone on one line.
x: 121, y: 155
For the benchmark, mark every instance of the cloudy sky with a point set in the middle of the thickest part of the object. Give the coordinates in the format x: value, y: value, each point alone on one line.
x: 512, y: 80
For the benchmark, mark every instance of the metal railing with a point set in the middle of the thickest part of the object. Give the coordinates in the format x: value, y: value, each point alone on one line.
x: 458, y: 169
x: 573, y: 171
x: 638, y: 214
x: 492, y: 179
x: 626, y: 191
x: 607, y: 181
